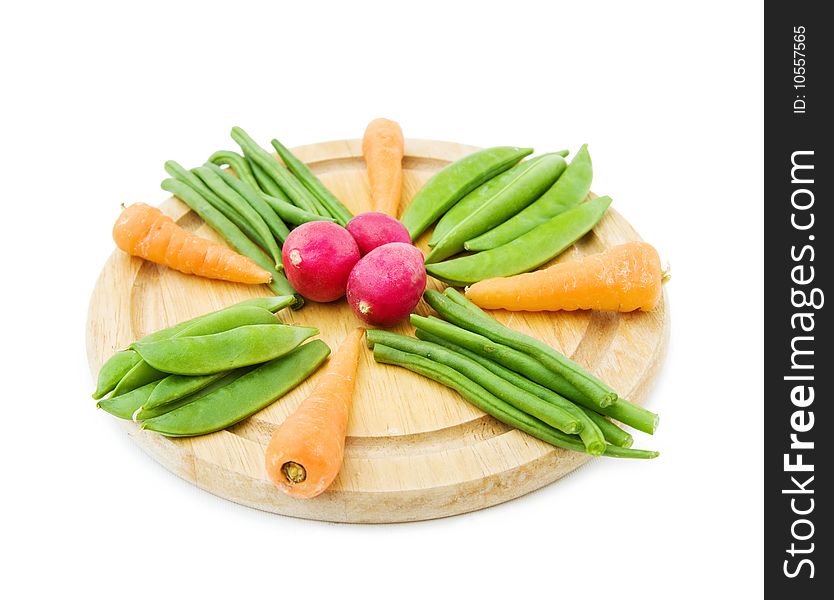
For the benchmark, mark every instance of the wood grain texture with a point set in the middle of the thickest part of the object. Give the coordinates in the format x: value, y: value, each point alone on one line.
x: 415, y: 449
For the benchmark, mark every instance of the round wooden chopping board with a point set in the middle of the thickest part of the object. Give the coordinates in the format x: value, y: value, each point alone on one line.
x: 415, y: 449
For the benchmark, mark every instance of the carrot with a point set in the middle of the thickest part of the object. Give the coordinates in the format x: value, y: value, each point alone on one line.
x: 305, y: 452
x: 147, y: 232
x: 623, y: 278
x: 383, y: 150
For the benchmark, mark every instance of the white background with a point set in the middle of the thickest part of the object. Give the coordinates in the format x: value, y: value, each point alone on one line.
x: 97, y: 97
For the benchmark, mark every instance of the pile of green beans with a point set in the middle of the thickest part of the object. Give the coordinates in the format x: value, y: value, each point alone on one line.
x: 511, y: 215
x: 255, y: 202
x: 210, y: 372
x: 515, y: 378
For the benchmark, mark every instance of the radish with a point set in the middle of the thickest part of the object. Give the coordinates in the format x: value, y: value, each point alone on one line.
x: 386, y: 284
x: 374, y: 229
x: 318, y: 257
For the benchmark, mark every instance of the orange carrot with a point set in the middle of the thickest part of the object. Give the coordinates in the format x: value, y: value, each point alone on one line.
x: 623, y: 278
x: 147, y: 232
x: 383, y: 150
x: 305, y: 452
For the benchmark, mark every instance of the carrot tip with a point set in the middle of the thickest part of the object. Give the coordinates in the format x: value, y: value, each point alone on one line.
x: 294, y: 472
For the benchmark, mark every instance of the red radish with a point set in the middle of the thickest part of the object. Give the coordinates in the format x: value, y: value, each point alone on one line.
x: 374, y: 229
x: 318, y: 257
x: 386, y: 285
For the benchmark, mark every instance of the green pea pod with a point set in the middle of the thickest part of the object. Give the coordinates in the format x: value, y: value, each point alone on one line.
x: 232, y: 234
x: 568, y: 191
x: 125, y: 405
x: 118, y: 365
x: 221, y: 320
x: 333, y: 205
x: 244, y: 396
x: 175, y: 387
x: 529, y: 251
x: 471, y: 201
x: 112, y: 371
x: 238, y: 163
x: 224, y: 351
x: 511, y: 192
x: 252, y: 196
x: 454, y: 181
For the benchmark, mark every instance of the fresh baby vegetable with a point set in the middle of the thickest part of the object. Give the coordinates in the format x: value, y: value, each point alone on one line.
x: 454, y: 307
x: 532, y: 249
x: 238, y: 164
x: 242, y: 396
x: 453, y: 182
x: 623, y: 278
x: 290, y: 212
x: 492, y: 405
x: 551, y: 414
x: 501, y: 198
x: 305, y: 452
x: 124, y: 406
x: 383, y: 148
x: 568, y: 191
x: 374, y: 229
x: 318, y: 257
x: 334, y: 206
x: 112, y: 371
x: 206, y: 354
x: 232, y: 234
x: 147, y: 232
x: 386, y: 284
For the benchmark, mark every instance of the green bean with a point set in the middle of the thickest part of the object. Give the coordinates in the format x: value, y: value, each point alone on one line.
x: 333, y: 205
x: 533, y: 405
x: 490, y: 404
x: 189, y: 178
x: 252, y: 196
x: 215, y: 322
x: 220, y: 187
x: 238, y: 163
x: 454, y: 307
x: 244, y: 396
x: 613, y: 434
x: 233, y: 236
x: 471, y: 201
x: 590, y: 429
x: 504, y: 355
x: 265, y: 182
x: 224, y: 351
x: 299, y: 195
x: 453, y: 182
x: 175, y: 387
x: 622, y: 410
x: 502, y: 197
x: 112, y: 371
x: 290, y: 212
x: 527, y: 252
x: 568, y: 191
x: 125, y: 405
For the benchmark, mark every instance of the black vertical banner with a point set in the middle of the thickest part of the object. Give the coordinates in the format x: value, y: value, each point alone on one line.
x: 799, y: 432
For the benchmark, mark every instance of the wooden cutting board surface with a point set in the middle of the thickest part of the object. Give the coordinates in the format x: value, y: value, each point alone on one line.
x: 415, y: 449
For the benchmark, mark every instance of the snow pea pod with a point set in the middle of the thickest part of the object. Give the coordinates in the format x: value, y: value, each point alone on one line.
x: 224, y: 351
x: 125, y: 405
x: 454, y: 181
x: 238, y: 163
x: 333, y: 205
x: 253, y: 197
x: 568, y: 191
x: 513, y: 190
x: 243, y: 397
x: 527, y: 252
x: 215, y: 182
x: 232, y: 234
x: 174, y: 387
x: 112, y: 371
